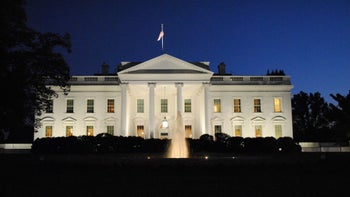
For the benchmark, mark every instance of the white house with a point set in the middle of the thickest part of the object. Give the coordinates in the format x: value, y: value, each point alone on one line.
x: 140, y: 97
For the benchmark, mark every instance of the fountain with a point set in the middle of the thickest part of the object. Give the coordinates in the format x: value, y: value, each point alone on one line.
x: 178, y: 146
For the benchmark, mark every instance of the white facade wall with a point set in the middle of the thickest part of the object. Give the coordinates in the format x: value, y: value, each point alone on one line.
x: 164, y: 72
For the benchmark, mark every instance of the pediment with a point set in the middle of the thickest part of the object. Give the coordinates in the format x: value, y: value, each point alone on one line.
x: 90, y: 119
x: 237, y: 119
x: 258, y: 119
x: 69, y: 119
x: 278, y: 119
x: 48, y: 119
x: 165, y: 67
x: 110, y: 119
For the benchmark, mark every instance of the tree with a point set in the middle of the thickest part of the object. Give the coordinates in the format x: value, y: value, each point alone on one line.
x: 341, y: 116
x: 310, y: 117
x: 28, y: 60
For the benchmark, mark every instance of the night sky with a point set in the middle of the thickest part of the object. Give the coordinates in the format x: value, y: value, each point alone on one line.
x: 308, y: 39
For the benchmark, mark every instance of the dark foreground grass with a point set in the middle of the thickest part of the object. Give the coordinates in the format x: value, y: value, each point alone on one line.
x: 303, y: 174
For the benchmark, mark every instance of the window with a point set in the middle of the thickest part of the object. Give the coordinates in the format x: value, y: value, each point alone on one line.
x: 110, y: 105
x: 238, y: 131
x: 277, y: 105
x: 49, y: 107
x: 217, y: 105
x: 278, y: 131
x: 140, y: 131
x: 140, y: 106
x: 258, y: 131
x: 217, y: 128
x: 90, y: 106
x: 90, y: 130
x: 70, y: 105
x: 48, y: 131
x: 237, y: 105
x: 69, y: 131
x: 188, y: 107
x: 257, y: 105
x: 188, y: 131
x: 110, y: 129
x: 164, y: 105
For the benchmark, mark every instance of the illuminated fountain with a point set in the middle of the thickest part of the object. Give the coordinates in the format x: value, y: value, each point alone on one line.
x: 178, y: 146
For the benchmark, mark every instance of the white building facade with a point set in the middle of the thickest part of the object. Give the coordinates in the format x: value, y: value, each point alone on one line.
x: 141, y: 96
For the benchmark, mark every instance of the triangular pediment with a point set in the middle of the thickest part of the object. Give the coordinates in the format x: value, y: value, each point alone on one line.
x: 258, y: 119
x: 165, y: 67
x: 69, y: 119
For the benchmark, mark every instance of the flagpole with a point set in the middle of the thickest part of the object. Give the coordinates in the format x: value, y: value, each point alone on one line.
x: 162, y: 40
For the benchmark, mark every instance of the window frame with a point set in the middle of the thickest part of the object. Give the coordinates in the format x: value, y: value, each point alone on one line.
x: 90, y: 107
x: 70, y: 106
x: 110, y: 106
x: 257, y: 107
x: 163, y: 105
x: 239, y: 105
x: 188, y: 105
x: 217, y: 105
x: 140, y: 106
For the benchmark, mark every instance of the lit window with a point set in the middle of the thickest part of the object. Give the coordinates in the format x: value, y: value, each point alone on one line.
x: 69, y: 131
x: 188, y: 107
x: 278, y: 131
x: 258, y: 131
x: 217, y: 105
x: 277, y: 105
x: 237, y: 105
x: 110, y: 129
x: 257, y: 105
x: 48, y: 131
x: 140, y: 106
x: 188, y: 131
x: 217, y: 128
x: 140, y: 131
x: 90, y: 130
x: 90, y: 106
x: 238, y: 130
x: 110, y: 105
x: 164, y: 105
x: 70, y: 105
x: 49, y: 107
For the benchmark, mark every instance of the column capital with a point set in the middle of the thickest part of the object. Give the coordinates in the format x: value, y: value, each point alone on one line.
x: 152, y: 84
x: 206, y: 84
x: 123, y: 84
x: 179, y: 84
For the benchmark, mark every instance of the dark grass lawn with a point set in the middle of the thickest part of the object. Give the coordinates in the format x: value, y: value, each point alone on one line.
x: 303, y: 174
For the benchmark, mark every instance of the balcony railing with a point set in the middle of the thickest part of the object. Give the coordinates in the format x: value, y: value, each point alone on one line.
x: 251, y: 80
x: 95, y: 80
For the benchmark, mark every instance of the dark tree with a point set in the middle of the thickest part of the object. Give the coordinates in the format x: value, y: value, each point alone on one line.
x: 310, y: 117
x: 28, y: 60
x: 341, y: 116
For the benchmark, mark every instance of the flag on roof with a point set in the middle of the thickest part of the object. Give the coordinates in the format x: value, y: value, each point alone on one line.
x: 161, y: 34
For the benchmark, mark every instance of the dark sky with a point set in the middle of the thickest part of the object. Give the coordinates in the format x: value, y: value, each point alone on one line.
x: 308, y: 39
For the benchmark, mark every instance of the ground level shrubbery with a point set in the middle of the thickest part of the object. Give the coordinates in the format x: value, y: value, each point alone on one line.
x: 105, y: 143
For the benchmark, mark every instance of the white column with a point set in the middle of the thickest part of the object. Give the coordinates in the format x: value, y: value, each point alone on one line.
x: 179, y: 97
x: 123, y: 109
x: 151, y: 109
x: 207, y: 107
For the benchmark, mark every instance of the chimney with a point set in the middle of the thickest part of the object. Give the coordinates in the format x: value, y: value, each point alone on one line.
x: 222, y: 68
x: 105, y: 69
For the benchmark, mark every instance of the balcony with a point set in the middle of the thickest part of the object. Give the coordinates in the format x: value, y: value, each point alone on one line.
x: 250, y: 80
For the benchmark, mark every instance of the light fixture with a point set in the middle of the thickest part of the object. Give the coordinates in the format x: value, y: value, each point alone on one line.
x: 165, y: 123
